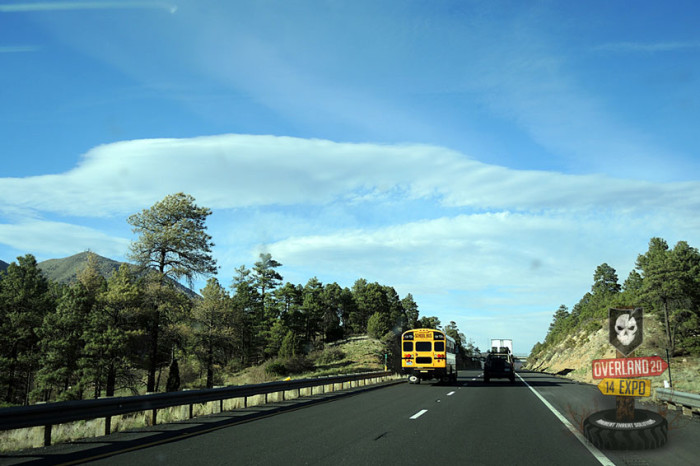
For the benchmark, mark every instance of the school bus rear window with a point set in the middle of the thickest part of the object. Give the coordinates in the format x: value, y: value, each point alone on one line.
x: 424, y: 346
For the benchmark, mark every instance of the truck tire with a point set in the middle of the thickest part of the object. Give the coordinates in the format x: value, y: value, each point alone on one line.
x: 649, y: 430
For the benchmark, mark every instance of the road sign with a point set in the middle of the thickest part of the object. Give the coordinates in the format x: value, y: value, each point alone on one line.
x: 628, y: 367
x: 626, y: 329
x: 625, y: 387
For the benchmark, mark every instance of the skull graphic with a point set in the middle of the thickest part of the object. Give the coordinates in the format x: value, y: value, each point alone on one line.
x: 626, y: 329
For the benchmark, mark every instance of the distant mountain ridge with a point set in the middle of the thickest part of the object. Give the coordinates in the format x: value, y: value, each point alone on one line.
x: 3, y: 266
x: 66, y: 270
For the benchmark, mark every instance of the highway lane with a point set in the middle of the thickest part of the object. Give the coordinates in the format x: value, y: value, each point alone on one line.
x: 468, y: 423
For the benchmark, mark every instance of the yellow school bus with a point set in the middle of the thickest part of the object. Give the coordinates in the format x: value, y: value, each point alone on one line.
x: 427, y: 354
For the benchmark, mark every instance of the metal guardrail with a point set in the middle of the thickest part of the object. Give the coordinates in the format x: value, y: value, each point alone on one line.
x: 690, y: 400
x: 50, y: 414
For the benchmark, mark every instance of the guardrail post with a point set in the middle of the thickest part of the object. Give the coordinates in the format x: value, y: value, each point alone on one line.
x: 154, y: 417
x: 47, y: 435
x: 108, y: 425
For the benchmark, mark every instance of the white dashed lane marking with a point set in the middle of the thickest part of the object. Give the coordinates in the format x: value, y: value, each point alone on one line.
x: 419, y: 414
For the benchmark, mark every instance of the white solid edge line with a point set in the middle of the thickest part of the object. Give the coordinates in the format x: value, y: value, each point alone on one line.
x: 419, y: 414
x: 599, y: 455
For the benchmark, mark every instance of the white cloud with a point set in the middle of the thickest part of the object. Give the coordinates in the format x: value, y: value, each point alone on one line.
x: 517, y: 252
x: 232, y: 171
x: 52, y: 239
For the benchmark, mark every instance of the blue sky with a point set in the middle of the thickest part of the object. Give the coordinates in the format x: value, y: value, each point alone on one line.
x: 483, y: 156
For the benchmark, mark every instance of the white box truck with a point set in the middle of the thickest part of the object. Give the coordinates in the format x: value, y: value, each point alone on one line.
x: 497, y: 345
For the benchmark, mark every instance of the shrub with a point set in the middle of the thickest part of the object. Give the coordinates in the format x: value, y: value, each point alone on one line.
x: 330, y: 355
x: 276, y: 368
x: 593, y: 326
x: 298, y: 364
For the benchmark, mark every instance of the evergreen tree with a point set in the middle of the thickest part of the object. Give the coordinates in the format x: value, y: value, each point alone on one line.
x: 289, y: 301
x: 210, y: 321
x: 410, y: 309
x: 428, y: 322
x: 396, y: 316
x: 288, y: 298
x: 266, y: 279
x: 291, y: 346
x: 111, y: 335
x: 605, y: 280
x: 559, y: 325
x: 61, y: 343
x: 670, y: 279
x: 173, y: 241
x: 162, y: 310
x: 24, y: 302
x: 245, y: 303
x: 312, y: 308
x: 452, y: 330
x: 369, y: 298
x: 631, y: 289
x: 333, y: 308
x: 378, y: 325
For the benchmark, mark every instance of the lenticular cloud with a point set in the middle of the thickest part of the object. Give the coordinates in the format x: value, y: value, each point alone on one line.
x: 233, y: 171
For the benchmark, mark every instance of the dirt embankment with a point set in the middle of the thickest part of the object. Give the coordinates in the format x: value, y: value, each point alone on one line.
x: 572, y: 357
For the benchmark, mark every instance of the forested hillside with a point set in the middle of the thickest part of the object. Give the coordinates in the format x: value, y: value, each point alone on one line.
x: 665, y: 284
x: 91, y: 337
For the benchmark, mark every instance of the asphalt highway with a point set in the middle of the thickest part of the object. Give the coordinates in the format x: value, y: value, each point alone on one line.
x: 530, y: 422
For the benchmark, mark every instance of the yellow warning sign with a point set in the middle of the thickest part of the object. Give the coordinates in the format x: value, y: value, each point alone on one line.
x: 625, y: 387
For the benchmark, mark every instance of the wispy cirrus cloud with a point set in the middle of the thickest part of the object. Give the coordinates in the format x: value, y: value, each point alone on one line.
x: 19, y: 48
x: 648, y: 47
x: 89, y: 5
